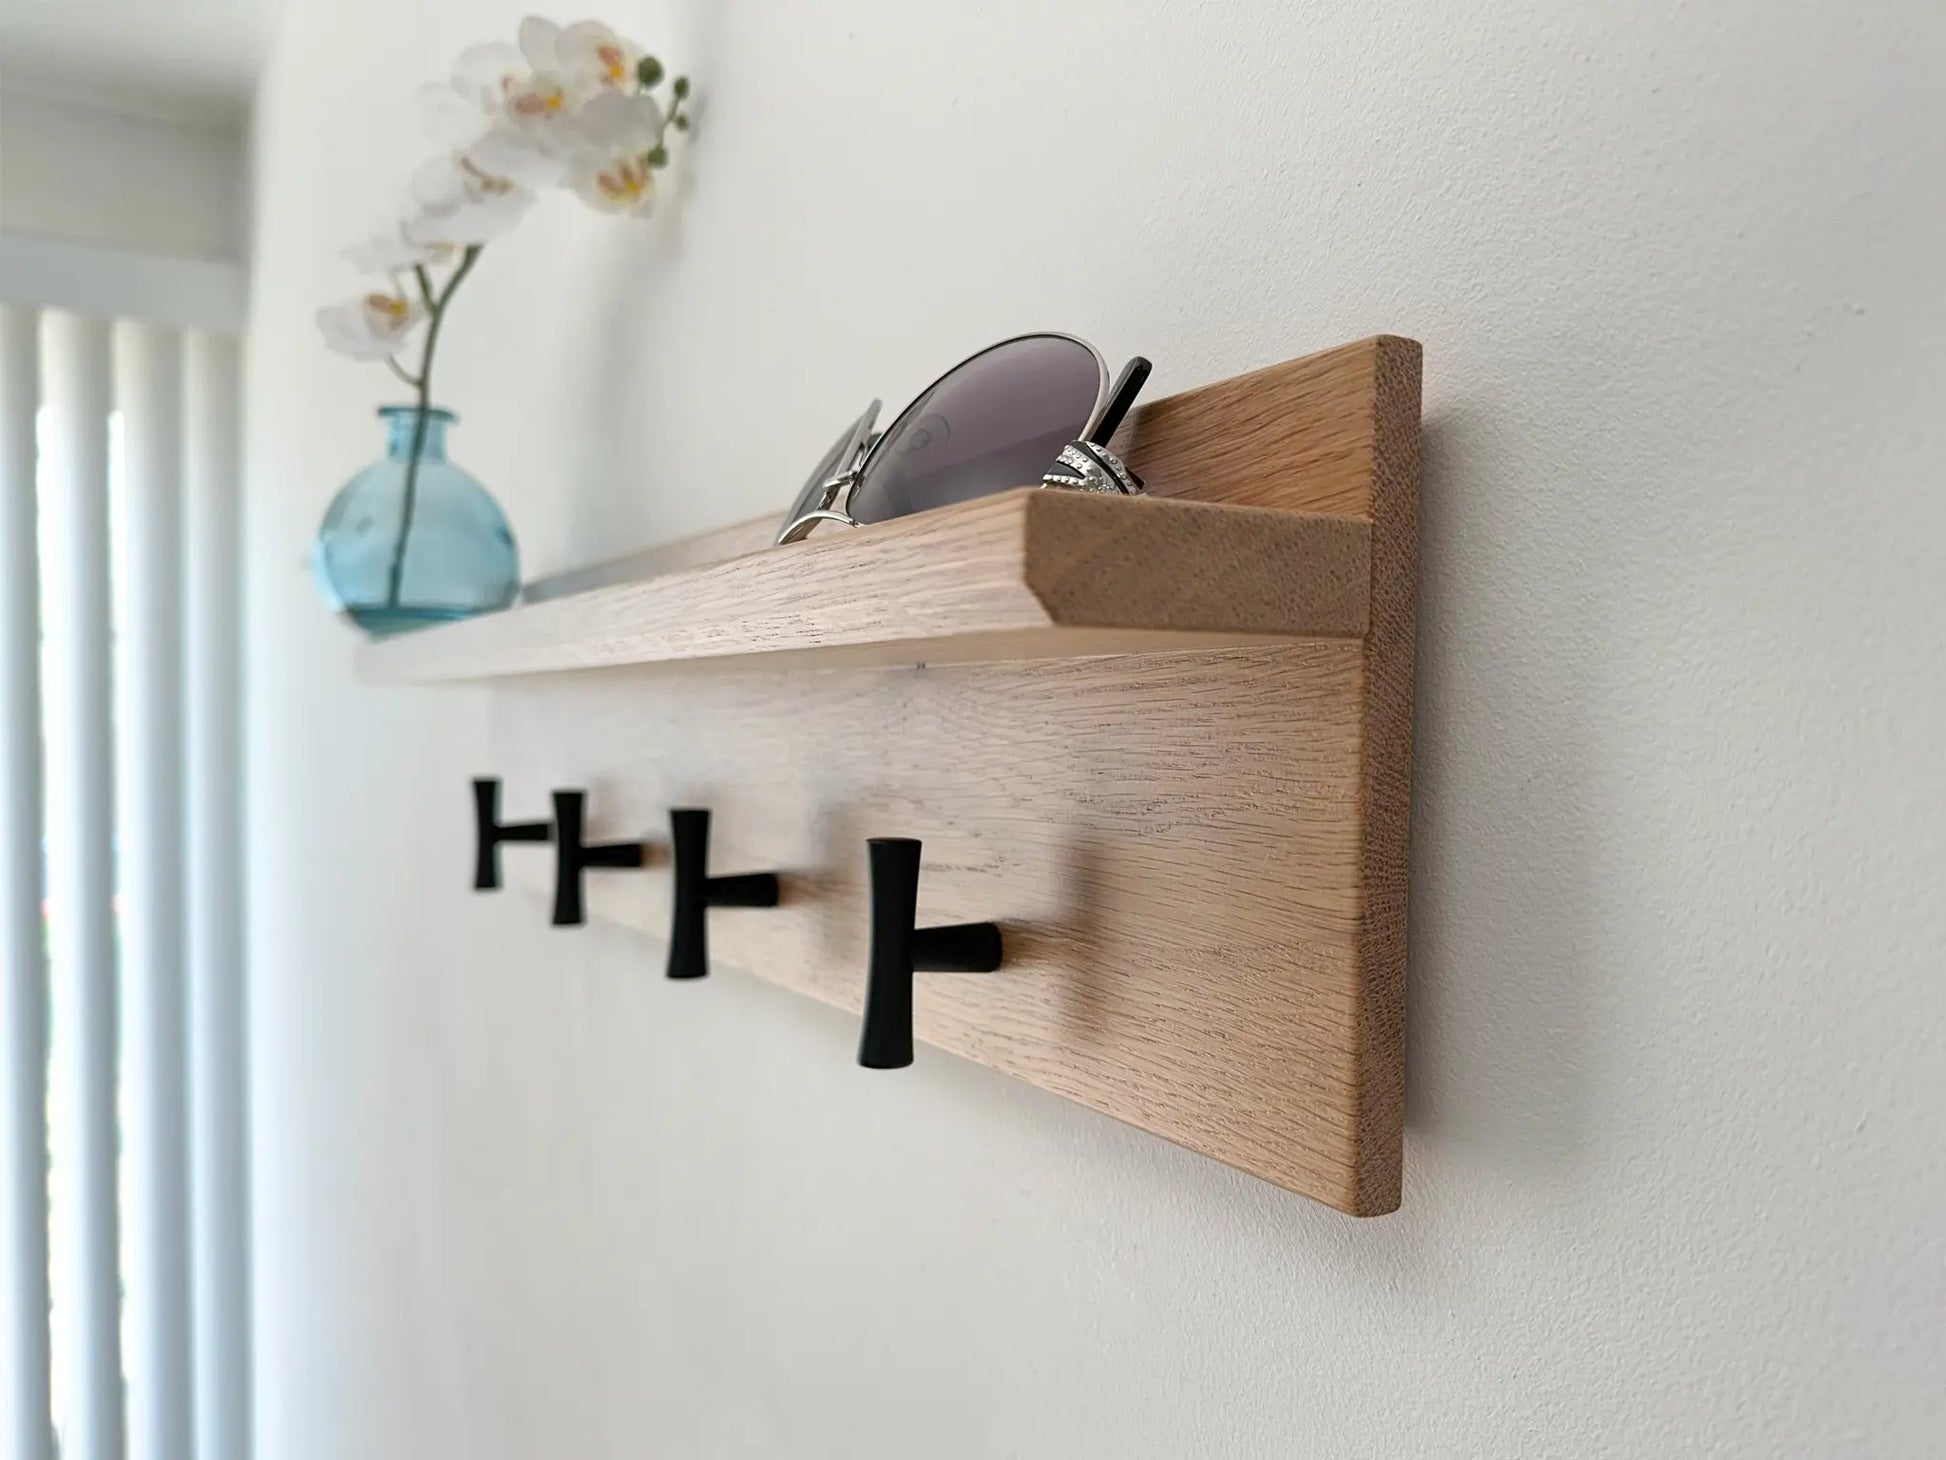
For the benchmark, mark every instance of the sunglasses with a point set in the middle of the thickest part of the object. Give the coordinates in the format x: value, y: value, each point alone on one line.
x: 997, y: 420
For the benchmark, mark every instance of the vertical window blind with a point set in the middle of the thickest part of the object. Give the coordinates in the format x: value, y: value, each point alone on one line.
x: 122, y: 1121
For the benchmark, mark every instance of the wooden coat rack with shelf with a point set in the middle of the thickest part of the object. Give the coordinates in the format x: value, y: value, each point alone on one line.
x: 1164, y: 742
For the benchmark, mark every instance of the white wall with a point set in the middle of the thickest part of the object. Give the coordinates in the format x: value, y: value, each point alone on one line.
x: 1673, y: 1172
x: 193, y: 60
x: 145, y: 184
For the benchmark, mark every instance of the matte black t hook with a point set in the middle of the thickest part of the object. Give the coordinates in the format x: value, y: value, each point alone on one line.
x: 572, y: 858
x: 899, y: 950
x: 696, y: 892
x: 490, y: 832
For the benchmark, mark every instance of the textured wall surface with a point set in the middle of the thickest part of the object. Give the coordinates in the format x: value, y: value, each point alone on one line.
x: 1674, y: 1182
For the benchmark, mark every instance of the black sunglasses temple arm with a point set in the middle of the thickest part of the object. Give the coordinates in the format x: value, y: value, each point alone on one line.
x: 1128, y: 385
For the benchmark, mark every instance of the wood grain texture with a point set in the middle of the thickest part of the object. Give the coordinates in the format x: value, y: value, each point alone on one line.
x: 719, y: 546
x: 1198, y: 854
x: 1302, y: 436
x: 1026, y: 574
x: 1179, y: 892
x: 1385, y: 767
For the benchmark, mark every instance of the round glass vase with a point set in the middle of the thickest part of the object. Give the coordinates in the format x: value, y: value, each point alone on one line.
x: 402, y: 548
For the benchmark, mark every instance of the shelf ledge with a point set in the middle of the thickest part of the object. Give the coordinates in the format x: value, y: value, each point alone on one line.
x: 1027, y: 574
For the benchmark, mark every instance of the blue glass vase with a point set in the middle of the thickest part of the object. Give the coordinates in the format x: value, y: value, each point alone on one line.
x: 401, y: 549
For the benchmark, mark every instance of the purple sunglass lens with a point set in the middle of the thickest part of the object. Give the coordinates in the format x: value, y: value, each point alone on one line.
x: 996, y: 422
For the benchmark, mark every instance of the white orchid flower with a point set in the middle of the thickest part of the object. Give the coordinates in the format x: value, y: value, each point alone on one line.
x: 615, y: 123
x: 486, y: 75
x: 588, y: 56
x: 371, y: 327
x: 516, y: 155
x: 538, y: 101
x: 463, y: 205
x: 492, y: 86
x: 617, y: 132
x: 566, y: 107
x: 540, y: 43
x: 593, y: 58
x: 387, y: 250
x: 457, y: 114
x: 623, y: 184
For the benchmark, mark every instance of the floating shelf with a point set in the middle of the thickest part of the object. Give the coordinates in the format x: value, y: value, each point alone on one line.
x: 1163, y: 743
x: 1029, y: 574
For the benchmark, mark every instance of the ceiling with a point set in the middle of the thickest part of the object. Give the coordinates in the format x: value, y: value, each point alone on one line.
x: 189, y: 58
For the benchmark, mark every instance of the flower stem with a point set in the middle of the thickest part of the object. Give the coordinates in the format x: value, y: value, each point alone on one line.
x: 436, y: 309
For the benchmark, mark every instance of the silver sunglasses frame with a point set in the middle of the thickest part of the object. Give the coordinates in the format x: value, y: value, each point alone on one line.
x: 834, y: 499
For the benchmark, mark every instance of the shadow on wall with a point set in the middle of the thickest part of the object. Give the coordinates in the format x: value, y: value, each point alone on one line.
x: 1500, y: 995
